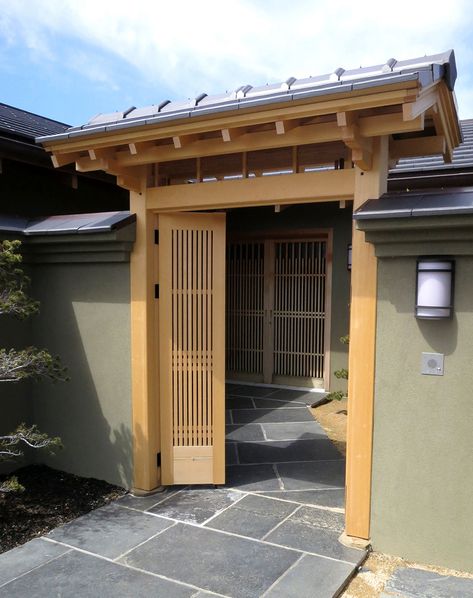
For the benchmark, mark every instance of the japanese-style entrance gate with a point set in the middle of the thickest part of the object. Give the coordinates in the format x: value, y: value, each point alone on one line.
x: 324, y: 139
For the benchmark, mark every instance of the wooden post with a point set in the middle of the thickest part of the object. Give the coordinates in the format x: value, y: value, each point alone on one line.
x: 144, y: 375
x: 368, y: 185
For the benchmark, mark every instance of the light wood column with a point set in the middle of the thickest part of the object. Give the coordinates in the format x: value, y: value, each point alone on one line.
x: 368, y: 185
x: 143, y: 332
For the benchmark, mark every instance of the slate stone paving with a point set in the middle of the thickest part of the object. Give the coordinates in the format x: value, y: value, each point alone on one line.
x: 271, y: 532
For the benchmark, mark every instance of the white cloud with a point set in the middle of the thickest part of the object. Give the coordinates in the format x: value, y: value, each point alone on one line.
x: 212, y: 45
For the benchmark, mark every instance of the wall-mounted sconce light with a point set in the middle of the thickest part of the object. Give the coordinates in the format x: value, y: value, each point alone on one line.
x: 349, y: 257
x: 434, y: 288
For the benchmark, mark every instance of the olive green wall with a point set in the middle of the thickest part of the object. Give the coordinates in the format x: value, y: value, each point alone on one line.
x: 85, y: 319
x: 422, y: 485
x: 83, y: 285
x: 305, y: 217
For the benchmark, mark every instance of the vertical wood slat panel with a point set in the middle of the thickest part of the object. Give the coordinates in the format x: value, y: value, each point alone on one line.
x: 245, y: 307
x: 191, y: 354
x: 299, y: 311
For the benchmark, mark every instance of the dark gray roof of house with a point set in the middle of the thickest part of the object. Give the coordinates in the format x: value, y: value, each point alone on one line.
x: 68, y: 224
x: 462, y: 156
x: 425, y: 70
x: 26, y: 124
x: 404, y: 204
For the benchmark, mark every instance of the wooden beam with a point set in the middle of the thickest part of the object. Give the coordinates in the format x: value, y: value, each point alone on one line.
x: 389, y: 124
x: 284, y: 126
x: 419, y: 146
x: 319, y: 133
x: 307, y: 187
x: 368, y: 185
x: 137, y: 148
x: 89, y: 165
x: 130, y: 182
x: 388, y: 95
x: 232, y: 134
x: 181, y: 141
x: 59, y: 160
x: 145, y: 407
x: 411, y: 110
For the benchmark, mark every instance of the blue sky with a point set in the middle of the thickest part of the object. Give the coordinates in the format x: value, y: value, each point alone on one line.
x: 72, y: 59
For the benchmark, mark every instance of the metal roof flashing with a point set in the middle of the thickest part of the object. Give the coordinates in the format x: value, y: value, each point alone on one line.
x: 425, y: 70
x: 437, y: 202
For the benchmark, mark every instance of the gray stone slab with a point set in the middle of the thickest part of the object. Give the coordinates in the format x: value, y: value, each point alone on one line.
x: 196, y: 505
x: 261, y: 403
x: 213, y: 561
x: 143, y: 503
x: 19, y: 560
x: 315, y: 530
x: 322, y: 498
x: 252, y: 477
x: 278, y: 451
x: 302, y: 396
x: 243, y: 432
x: 231, y: 456
x: 110, y: 530
x: 315, y: 475
x: 253, y: 516
x: 80, y: 575
x: 247, y: 416
x: 312, y: 577
x: 238, y: 403
x: 251, y: 391
x: 412, y: 583
x: 293, y: 431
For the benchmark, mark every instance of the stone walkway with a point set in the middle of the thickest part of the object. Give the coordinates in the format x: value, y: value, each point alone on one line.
x: 272, y: 531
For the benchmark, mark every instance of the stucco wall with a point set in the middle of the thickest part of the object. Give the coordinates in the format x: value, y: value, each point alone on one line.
x: 85, y: 318
x: 305, y: 217
x: 422, y: 487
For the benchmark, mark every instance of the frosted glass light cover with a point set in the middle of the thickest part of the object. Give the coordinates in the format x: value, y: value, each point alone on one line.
x: 434, y: 289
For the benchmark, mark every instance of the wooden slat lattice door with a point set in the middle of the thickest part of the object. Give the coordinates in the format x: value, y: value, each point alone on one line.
x: 276, y: 311
x: 299, y: 311
x: 192, y: 347
x: 245, y: 310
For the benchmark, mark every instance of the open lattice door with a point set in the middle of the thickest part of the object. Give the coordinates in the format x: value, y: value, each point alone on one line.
x: 192, y: 347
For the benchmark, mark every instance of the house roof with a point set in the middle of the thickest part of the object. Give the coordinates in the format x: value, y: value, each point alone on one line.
x: 424, y: 71
x: 462, y: 156
x: 404, y: 204
x: 66, y: 224
x: 26, y: 124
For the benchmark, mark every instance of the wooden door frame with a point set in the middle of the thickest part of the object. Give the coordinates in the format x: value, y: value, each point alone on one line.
x: 306, y: 234
x: 145, y: 400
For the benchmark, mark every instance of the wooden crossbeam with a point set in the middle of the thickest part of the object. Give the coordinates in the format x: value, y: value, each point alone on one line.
x: 332, y: 185
x: 420, y: 146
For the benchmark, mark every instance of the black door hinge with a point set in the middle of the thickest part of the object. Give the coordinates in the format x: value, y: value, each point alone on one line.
x: 156, y: 291
x: 158, y: 459
x: 156, y: 237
